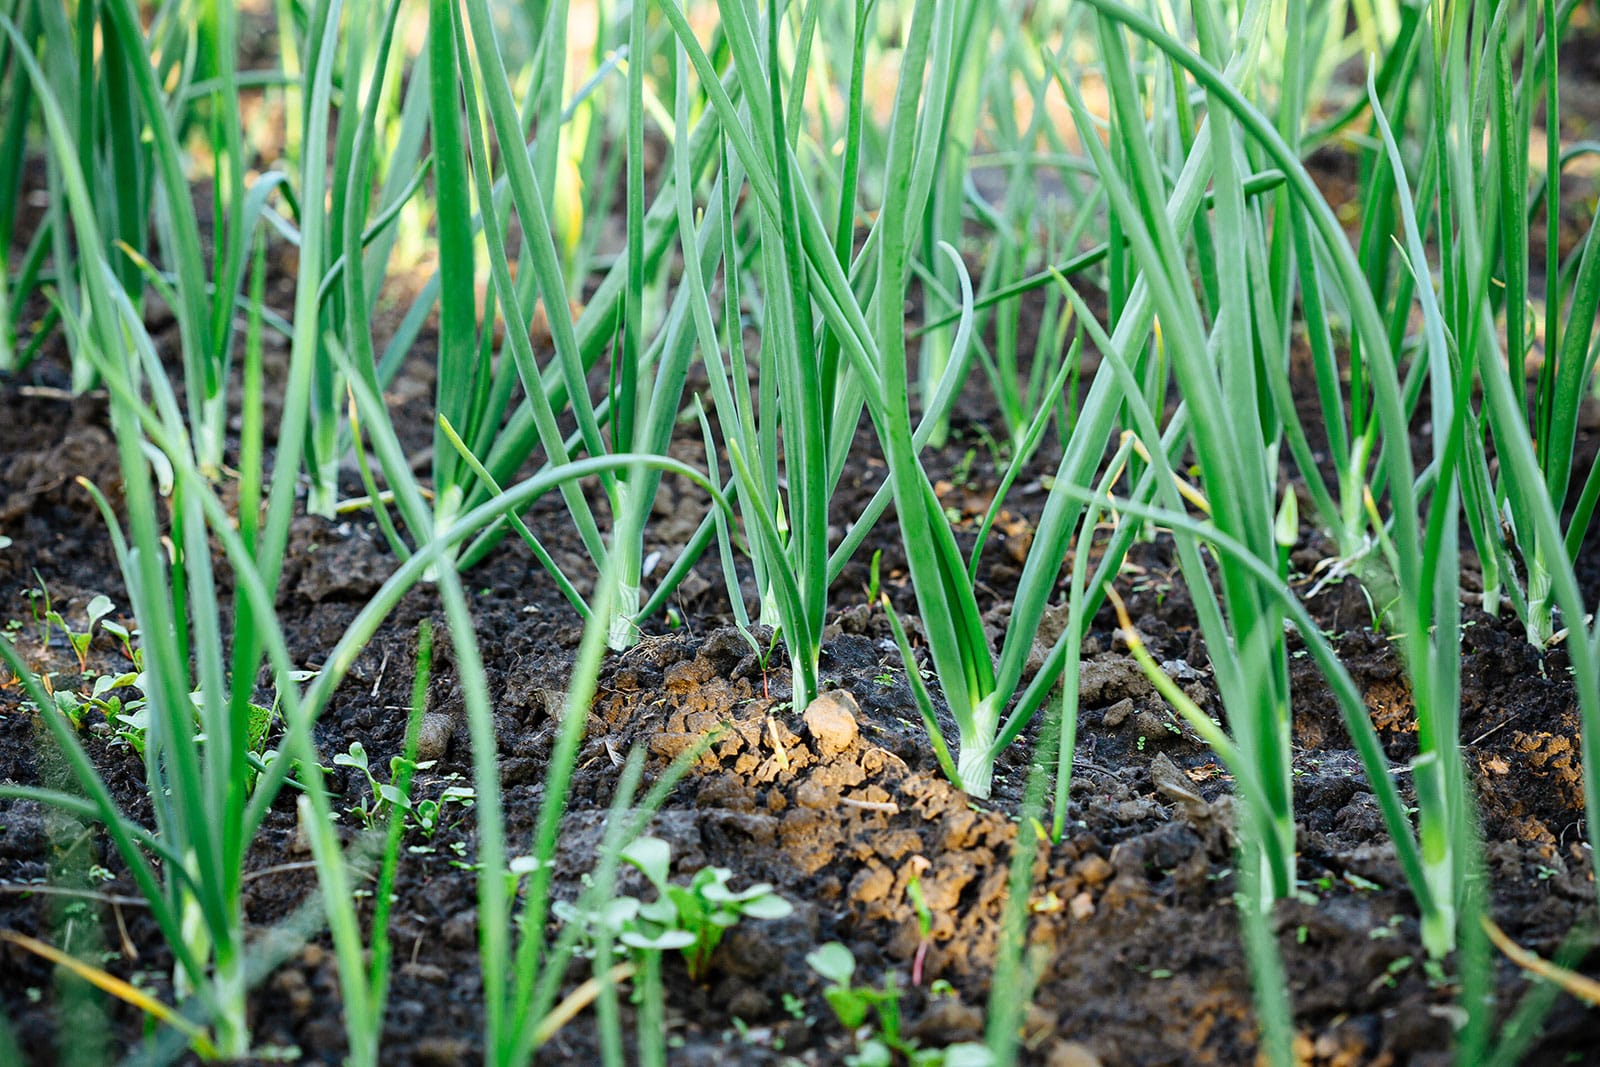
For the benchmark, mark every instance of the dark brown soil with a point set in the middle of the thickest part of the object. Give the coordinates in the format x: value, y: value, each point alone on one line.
x: 1133, y: 913
x: 1133, y: 910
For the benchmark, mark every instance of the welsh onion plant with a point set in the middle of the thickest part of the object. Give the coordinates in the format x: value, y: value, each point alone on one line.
x: 785, y: 602
x: 209, y: 796
x: 1433, y: 657
x: 594, y: 328
x: 1255, y: 898
x: 521, y: 977
x: 102, y: 111
x: 196, y: 749
x: 1217, y: 377
x: 112, y: 77
x: 333, y: 236
x: 871, y: 335
x: 1464, y: 83
x: 976, y: 687
x: 16, y: 95
x: 964, y: 97
x: 1488, y: 75
x: 647, y: 385
x: 478, y: 447
x: 21, y: 272
x: 1260, y: 945
x: 1428, y: 625
x: 802, y: 403
x: 787, y: 532
x: 1534, y: 481
x: 1014, y: 245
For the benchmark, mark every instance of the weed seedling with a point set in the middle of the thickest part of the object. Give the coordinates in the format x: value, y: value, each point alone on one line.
x: 99, y: 608
x: 124, y: 636
x: 692, y: 918
x: 391, y: 797
x: 919, y: 904
x: 874, y: 582
x: 852, y: 1004
x: 39, y: 607
x: 102, y: 698
x: 763, y: 656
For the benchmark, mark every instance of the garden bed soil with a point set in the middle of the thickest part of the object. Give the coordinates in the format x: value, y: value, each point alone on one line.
x: 1132, y: 913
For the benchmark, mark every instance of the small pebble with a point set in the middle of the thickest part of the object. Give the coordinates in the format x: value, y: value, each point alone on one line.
x: 461, y: 929
x: 1092, y: 870
x: 441, y: 1051
x: 831, y: 718
x: 433, y: 738
x: 1072, y: 1054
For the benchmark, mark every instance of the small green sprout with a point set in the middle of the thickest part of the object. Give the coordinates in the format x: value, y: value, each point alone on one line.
x: 76, y: 706
x: 1396, y: 967
x: 962, y: 474
x: 919, y: 904
x: 692, y: 918
x: 387, y: 795
x: 99, y: 607
x: 124, y: 636
x: 852, y: 1004
x: 40, y: 613
x: 763, y: 655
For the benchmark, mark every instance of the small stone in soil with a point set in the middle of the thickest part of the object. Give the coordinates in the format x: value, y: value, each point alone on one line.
x: 424, y: 972
x: 433, y: 738
x: 461, y: 929
x: 1072, y: 1054
x: 831, y: 718
x: 749, y: 1003
x: 442, y: 1051
x: 1093, y: 870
